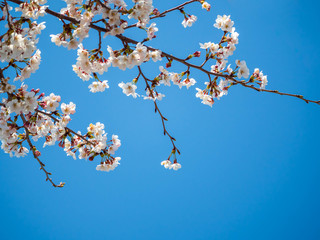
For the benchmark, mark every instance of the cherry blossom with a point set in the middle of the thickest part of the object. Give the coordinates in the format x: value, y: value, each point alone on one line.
x: 188, y: 21
x: 128, y: 89
x: 28, y: 115
x: 206, y: 6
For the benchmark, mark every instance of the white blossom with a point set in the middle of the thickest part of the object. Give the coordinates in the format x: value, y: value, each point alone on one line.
x: 98, y: 86
x: 187, y: 22
x: 224, y: 23
x: 128, y: 89
x: 206, y: 6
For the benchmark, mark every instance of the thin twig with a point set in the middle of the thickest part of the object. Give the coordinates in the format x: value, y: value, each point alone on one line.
x: 99, y: 40
x: 165, y: 131
x: 167, y: 11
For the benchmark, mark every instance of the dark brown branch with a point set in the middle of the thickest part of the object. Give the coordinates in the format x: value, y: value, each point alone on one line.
x: 99, y: 41
x: 174, y: 8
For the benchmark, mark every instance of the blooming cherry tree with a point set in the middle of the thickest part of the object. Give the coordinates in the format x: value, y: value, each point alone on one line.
x: 28, y: 115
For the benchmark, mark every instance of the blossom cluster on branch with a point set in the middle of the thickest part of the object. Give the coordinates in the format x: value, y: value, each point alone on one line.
x: 28, y: 115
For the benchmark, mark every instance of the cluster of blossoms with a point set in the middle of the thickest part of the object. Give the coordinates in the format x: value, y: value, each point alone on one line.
x: 32, y: 9
x: 188, y: 21
x: 49, y: 124
x: 224, y: 23
x: 141, y: 11
x: 117, y: 25
x: 91, y: 62
x: 61, y: 40
x: 23, y: 102
x: 74, y: 34
x: 169, y: 165
x: 108, y: 165
x: 20, y: 101
x: 204, y: 95
x: 98, y: 144
x: 165, y: 77
x: 20, y: 43
x: 138, y: 56
x: 98, y: 86
x: 258, y: 76
x: 88, y: 63
x: 93, y: 143
x: 9, y: 136
x: 213, y: 90
x: 221, y: 53
x: 82, y: 31
x: 73, y: 9
x: 31, y: 66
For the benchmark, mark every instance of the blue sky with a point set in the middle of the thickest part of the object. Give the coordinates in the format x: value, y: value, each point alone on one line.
x: 250, y: 165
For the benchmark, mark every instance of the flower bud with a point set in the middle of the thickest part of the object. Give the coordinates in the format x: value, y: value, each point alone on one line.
x: 37, y: 153
x: 197, y: 54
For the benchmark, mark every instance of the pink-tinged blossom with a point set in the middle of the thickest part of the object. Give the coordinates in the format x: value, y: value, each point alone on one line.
x: 188, y: 82
x: 203, y: 95
x: 260, y: 77
x: 108, y: 165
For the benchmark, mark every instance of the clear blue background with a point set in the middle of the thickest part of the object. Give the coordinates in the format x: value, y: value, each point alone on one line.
x: 250, y: 165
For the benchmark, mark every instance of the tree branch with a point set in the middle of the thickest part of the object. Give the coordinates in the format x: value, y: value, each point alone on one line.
x: 129, y: 40
x: 165, y: 131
